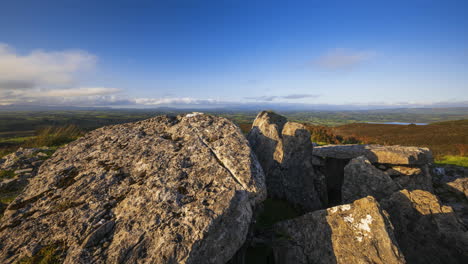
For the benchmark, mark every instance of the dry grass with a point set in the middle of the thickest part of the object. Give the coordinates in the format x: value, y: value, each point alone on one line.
x: 444, y: 138
x: 54, y: 136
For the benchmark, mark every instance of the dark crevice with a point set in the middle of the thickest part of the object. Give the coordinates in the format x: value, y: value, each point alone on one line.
x: 334, y: 173
x: 258, y: 248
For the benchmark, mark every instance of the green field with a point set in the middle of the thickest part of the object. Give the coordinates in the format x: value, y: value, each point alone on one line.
x: 447, y: 138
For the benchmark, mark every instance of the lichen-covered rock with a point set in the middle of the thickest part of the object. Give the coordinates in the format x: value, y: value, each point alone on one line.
x: 284, y: 150
x: 24, y: 160
x: 164, y: 190
x: 352, y: 233
x: 397, y: 155
x: 426, y: 230
x: 16, y: 169
x: 361, y: 179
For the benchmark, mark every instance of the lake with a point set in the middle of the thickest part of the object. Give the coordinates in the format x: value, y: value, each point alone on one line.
x: 398, y: 123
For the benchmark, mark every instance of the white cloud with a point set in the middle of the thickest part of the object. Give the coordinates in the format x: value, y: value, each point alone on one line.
x: 48, y: 77
x: 41, y: 68
x: 343, y: 58
x: 270, y: 98
x: 173, y: 101
x: 74, y: 92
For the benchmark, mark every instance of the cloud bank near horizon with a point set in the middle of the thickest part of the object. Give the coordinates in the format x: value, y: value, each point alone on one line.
x: 52, y: 78
x: 46, y: 77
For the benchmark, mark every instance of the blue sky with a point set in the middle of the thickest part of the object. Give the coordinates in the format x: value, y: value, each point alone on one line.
x: 186, y: 53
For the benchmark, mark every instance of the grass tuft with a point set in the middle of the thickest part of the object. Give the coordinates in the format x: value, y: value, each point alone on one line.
x: 51, y: 254
x: 54, y: 136
x: 7, y: 174
x: 453, y: 160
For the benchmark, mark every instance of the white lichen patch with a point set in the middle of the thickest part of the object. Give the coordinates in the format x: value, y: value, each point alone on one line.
x: 349, y: 218
x: 343, y: 208
x: 194, y: 114
x: 364, y: 223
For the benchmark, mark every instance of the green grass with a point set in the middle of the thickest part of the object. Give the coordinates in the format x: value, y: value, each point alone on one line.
x: 7, y: 174
x: 54, y: 136
x: 15, y: 140
x: 51, y: 254
x: 8, y: 197
x: 453, y: 160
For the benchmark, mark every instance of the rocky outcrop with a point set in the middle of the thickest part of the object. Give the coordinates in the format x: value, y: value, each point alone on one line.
x: 408, y: 167
x: 16, y: 169
x: 284, y: 150
x: 397, y: 155
x: 25, y: 161
x: 164, y: 190
x: 426, y: 230
x: 451, y: 186
x: 362, y: 179
x: 353, y: 233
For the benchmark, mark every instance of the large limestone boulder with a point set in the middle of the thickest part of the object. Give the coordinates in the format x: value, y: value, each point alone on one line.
x: 284, y: 150
x: 164, y: 190
x: 361, y: 179
x: 426, y: 230
x: 397, y: 155
x: 352, y: 233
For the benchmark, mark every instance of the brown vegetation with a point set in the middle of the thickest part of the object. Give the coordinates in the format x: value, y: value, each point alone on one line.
x: 443, y: 138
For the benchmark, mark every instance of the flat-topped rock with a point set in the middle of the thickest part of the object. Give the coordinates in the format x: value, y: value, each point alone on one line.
x: 397, y: 155
x: 163, y: 190
x: 284, y: 150
x: 352, y: 233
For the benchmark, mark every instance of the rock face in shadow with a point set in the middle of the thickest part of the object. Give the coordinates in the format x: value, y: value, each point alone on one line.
x: 362, y: 179
x: 353, y: 233
x: 451, y: 186
x: 412, y: 178
x: 426, y: 231
x: 397, y: 155
x: 408, y: 167
x: 164, y: 190
x: 284, y: 150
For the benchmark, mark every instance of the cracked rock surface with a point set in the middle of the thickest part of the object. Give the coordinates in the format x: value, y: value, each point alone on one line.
x: 352, y: 233
x: 163, y: 190
x: 427, y: 231
x: 284, y: 150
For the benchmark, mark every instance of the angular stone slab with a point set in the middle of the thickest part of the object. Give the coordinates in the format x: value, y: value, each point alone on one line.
x: 397, y: 155
x: 351, y: 233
